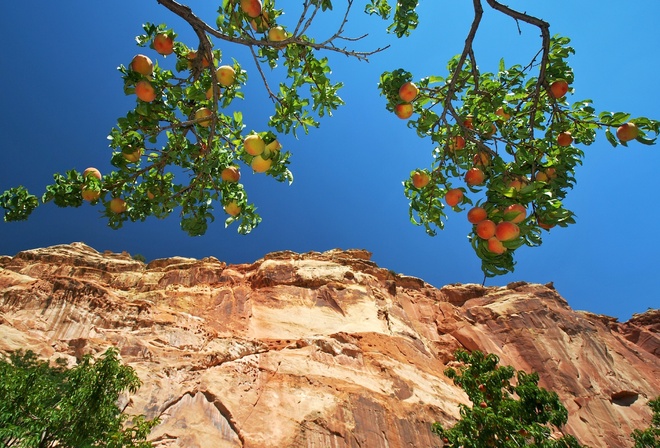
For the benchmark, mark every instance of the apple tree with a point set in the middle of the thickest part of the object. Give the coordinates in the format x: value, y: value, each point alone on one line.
x: 505, y: 142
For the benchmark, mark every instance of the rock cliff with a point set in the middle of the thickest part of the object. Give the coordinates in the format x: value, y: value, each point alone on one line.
x: 318, y: 349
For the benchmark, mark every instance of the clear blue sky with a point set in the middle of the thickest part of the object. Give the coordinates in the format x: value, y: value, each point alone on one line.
x: 61, y: 94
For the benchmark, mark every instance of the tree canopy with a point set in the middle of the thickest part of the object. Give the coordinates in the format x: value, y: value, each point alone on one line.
x: 506, y: 144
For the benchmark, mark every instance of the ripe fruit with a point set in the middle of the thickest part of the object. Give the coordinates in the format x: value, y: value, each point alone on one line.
x: 276, y: 34
x: 468, y: 122
x: 403, y: 110
x: 559, y: 88
x: 541, y: 176
x: 544, y: 225
x: 225, y: 75
x: 564, y: 139
x: 457, y: 142
x: 163, y: 44
x: 261, y: 165
x: 192, y: 55
x: 260, y: 24
x: 91, y: 172
x: 483, y: 404
x: 251, y: 7
x: 453, y: 197
x: 515, y: 213
x: 507, y: 231
x: 420, y: 179
x: 145, y: 91
x: 202, y: 113
x: 495, y: 246
x: 230, y: 174
x: 482, y: 387
x: 90, y: 194
x: 551, y: 172
x: 476, y: 215
x: 474, y: 176
x: 502, y: 113
x: 273, y: 146
x: 517, y: 183
x: 117, y: 205
x: 232, y: 208
x: 254, y: 145
x: 481, y: 158
x: 408, y: 92
x: 132, y: 156
x: 142, y: 64
x: 486, y: 229
x: 627, y: 132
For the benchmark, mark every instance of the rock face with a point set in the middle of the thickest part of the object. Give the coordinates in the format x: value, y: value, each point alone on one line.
x: 318, y: 349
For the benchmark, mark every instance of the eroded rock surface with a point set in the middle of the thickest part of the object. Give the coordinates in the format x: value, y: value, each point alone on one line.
x: 318, y: 349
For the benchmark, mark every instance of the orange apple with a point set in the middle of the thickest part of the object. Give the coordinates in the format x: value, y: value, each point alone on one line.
x: 273, y: 146
x: 254, y: 145
x: 453, y: 197
x: 261, y: 165
x: 230, y: 174
x: 627, y: 132
x: 481, y: 158
x: 474, y: 176
x: 564, y: 139
x: 559, y: 88
x: 476, y: 215
x: 276, y: 34
x: 457, y: 142
x: 225, y: 75
x: 551, y: 172
x: 145, y: 91
x: 517, y: 183
x: 163, y: 44
x: 209, y: 93
x: 142, y: 64
x: 486, y: 229
x: 408, y: 92
x: 232, y: 209
x: 192, y: 55
x: 403, y: 110
x: 90, y: 194
x: 420, y: 179
x: 132, y: 156
x: 91, y: 172
x: 117, y: 205
x: 201, y: 114
x: 502, y: 113
x: 515, y: 213
x: 251, y: 7
x: 260, y: 24
x: 495, y: 246
x: 506, y: 231
x: 541, y: 176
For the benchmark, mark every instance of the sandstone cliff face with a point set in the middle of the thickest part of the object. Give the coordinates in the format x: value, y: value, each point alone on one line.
x: 318, y: 349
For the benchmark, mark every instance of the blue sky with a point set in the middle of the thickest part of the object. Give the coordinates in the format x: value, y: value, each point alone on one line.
x: 61, y: 94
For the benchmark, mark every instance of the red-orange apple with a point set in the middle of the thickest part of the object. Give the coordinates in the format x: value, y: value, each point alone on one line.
x: 627, y: 132
x: 453, y: 197
x: 192, y: 55
x: 420, y: 179
x: 481, y: 158
x: 203, y: 114
x: 564, y: 139
x: 515, y: 213
x: 551, y: 172
x: 476, y: 215
x: 232, y: 208
x: 163, y: 44
x: 276, y: 34
x: 495, y: 246
x: 506, y: 231
x: 251, y: 7
x: 474, y: 176
x: 142, y: 64
x: 254, y: 145
x: 90, y: 194
x: 230, y: 174
x: 145, y: 91
x: 468, y: 122
x: 541, y: 176
x: 544, y: 225
x: 261, y: 165
x: 225, y: 75
x: 457, y: 142
x: 559, y: 88
x: 273, y: 146
x: 502, y: 113
x: 403, y: 110
x: 408, y: 92
x: 117, y: 205
x: 486, y: 229
x: 91, y: 172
